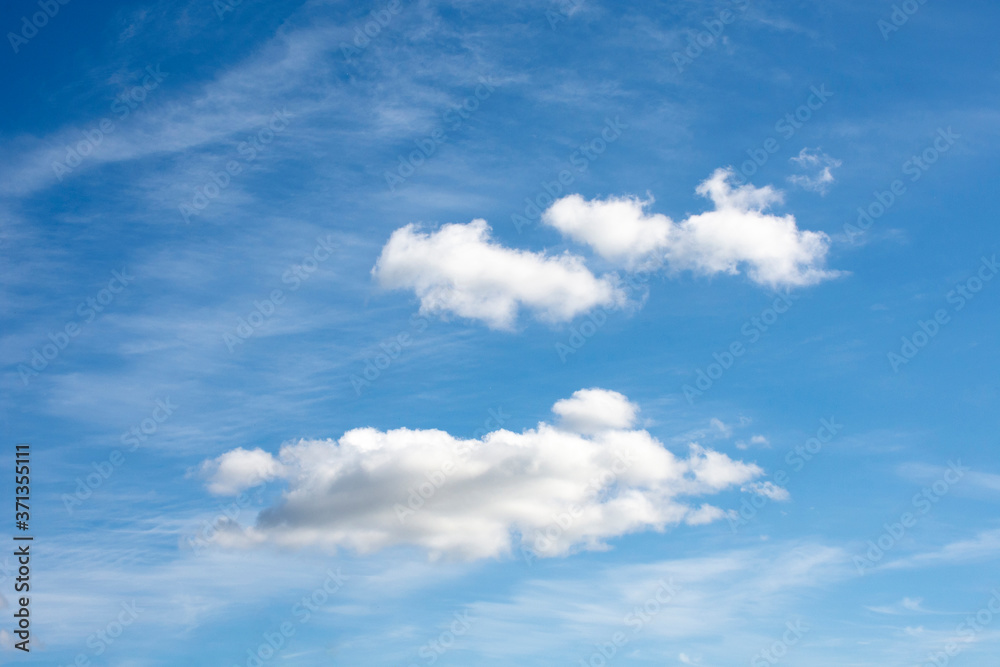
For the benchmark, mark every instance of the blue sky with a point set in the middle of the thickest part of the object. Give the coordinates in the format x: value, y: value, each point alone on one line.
x: 241, y: 256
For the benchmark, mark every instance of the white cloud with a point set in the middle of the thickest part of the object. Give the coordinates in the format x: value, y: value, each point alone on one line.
x: 239, y: 469
x: 459, y: 269
x: 737, y: 234
x: 755, y: 440
x: 591, y: 411
x: 619, y: 229
x: 548, y: 490
x: 812, y: 160
x: 768, y: 490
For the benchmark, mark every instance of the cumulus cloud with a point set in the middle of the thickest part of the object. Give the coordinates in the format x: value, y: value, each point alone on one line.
x: 460, y: 269
x: 618, y: 228
x: 238, y: 470
x: 546, y: 491
x: 591, y: 411
x: 737, y: 234
x: 820, y: 164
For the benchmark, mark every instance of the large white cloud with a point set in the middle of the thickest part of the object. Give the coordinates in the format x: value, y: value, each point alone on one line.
x: 459, y: 269
x: 739, y: 233
x: 548, y: 490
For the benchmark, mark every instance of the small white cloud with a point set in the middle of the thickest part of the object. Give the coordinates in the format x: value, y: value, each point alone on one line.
x: 704, y: 514
x: 460, y: 269
x: 591, y: 411
x: 721, y: 427
x: 737, y: 235
x: 768, y: 490
x: 757, y: 440
x: 238, y: 470
x: 550, y: 490
x: 820, y: 164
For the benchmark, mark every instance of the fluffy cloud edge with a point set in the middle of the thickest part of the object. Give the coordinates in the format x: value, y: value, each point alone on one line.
x: 548, y: 491
x: 239, y: 469
x: 738, y: 235
x: 460, y: 269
